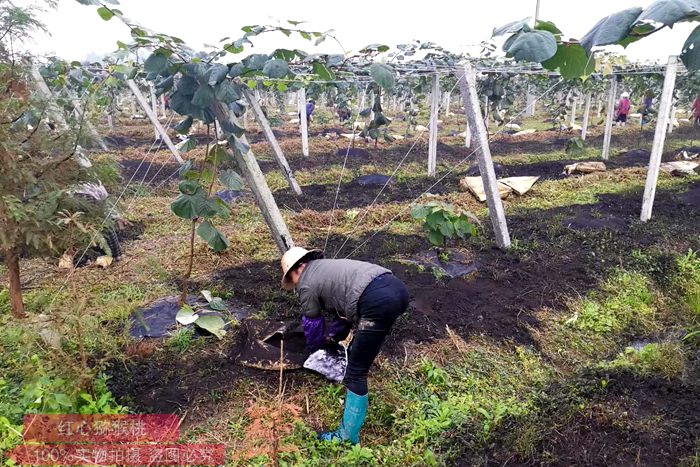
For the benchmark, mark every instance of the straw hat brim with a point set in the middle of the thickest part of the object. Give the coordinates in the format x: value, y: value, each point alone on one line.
x: 286, y: 283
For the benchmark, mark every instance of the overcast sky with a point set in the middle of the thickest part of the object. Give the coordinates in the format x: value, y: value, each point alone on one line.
x: 78, y: 33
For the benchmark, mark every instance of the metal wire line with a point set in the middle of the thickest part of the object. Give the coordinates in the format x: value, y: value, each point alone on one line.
x: 448, y: 173
x: 342, y: 171
x: 102, y: 224
x: 357, y: 224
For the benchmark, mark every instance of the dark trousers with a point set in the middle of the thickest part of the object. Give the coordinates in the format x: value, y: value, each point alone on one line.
x: 384, y: 300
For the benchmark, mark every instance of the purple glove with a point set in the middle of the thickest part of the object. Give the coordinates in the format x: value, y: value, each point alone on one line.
x: 314, y: 332
x: 339, y: 329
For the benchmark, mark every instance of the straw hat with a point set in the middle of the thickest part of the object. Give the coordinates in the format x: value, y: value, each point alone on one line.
x: 291, y: 258
x: 625, y: 94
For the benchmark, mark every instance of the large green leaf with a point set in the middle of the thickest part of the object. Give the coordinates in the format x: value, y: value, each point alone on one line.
x: 186, y: 315
x: 188, y: 187
x: 611, y: 29
x: 691, y: 51
x: 532, y: 46
x: 323, y: 72
x: 227, y: 92
x: 255, y: 61
x: 436, y: 238
x: 276, y: 68
x: 231, y: 180
x: 217, y: 73
x: 383, y: 75
x: 213, y: 324
x: 155, y: 63
x: 105, y: 13
x: 204, y: 96
x: 513, y: 27
x: 186, y: 145
x: 216, y: 240
x: 668, y: 12
x: 216, y: 303
x: 548, y: 26
x: 571, y: 61
x: 190, y: 206
x: 184, y: 126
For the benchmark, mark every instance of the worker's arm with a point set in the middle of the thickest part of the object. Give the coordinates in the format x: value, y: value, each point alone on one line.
x: 312, y: 320
x: 338, y: 330
x: 314, y: 332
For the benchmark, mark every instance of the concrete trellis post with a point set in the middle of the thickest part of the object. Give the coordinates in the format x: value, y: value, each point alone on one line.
x: 586, y: 116
x: 659, y: 138
x: 486, y: 112
x: 57, y: 114
x: 448, y: 99
x: 609, y: 119
x: 530, y: 103
x: 303, y: 122
x: 672, y: 118
x: 154, y: 120
x: 161, y: 101
x: 572, y: 120
x: 432, y: 140
x: 468, y: 136
x: 250, y: 169
x: 154, y: 107
x: 467, y: 80
x: 272, y: 141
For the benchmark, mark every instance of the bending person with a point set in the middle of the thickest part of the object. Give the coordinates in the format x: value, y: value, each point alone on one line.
x: 354, y: 293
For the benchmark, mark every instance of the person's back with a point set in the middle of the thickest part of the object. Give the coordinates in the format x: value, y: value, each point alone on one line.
x: 335, y: 285
x: 624, y: 107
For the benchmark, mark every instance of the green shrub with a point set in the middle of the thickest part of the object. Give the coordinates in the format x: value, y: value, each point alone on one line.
x: 443, y: 222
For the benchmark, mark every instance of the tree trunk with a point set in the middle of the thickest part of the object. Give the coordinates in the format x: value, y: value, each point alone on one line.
x: 12, y: 262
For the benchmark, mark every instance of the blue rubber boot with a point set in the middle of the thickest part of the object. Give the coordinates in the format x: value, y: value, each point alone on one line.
x: 353, y: 418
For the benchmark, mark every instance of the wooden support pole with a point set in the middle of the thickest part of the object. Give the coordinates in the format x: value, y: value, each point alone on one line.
x: 659, y: 138
x: 271, y: 140
x: 467, y: 80
x: 432, y: 139
x: 586, y: 116
x: 600, y: 107
x: 609, y: 119
x: 303, y: 122
x: 154, y: 120
x: 250, y: 169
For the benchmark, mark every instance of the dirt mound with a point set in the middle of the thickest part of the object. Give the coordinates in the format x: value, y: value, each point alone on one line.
x: 374, y: 180
x: 353, y: 152
x: 585, y: 219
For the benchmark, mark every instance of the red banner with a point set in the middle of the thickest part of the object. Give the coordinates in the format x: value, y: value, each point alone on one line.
x: 119, y: 454
x: 75, y: 428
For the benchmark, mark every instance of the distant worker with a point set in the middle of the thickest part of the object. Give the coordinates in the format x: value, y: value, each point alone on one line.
x: 646, y: 108
x: 344, y: 114
x: 623, y: 109
x: 310, y: 106
x: 696, y: 110
x: 353, y: 292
